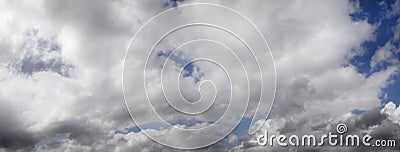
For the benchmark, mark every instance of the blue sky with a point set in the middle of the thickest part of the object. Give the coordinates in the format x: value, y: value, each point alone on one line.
x: 375, y: 13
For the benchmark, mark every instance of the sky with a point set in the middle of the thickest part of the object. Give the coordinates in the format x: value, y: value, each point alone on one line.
x: 71, y: 76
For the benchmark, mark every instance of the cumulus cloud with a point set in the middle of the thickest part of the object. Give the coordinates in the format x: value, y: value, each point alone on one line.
x: 392, y: 112
x: 377, y: 123
x: 73, y: 53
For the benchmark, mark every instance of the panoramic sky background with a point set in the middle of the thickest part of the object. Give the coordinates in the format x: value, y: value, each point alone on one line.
x: 61, y: 69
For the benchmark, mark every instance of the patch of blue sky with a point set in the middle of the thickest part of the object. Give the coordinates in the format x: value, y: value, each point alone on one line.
x: 241, y: 130
x: 172, y: 3
x: 392, y: 91
x: 182, y: 61
x: 135, y: 129
x: 358, y: 111
x: 160, y: 126
x: 375, y: 12
x: 47, y: 57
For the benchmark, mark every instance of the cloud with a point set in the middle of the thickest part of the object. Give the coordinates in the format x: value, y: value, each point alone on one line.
x: 370, y: 118
x: 72, y: 100
x: 392, y: 112
x: 12, y: 135
x: 384, y: 55
x: 40, y: 55
x: 377, y: 123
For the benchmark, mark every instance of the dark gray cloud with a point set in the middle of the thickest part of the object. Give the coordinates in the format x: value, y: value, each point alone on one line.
x: 377, y: 121
x: 12, y: 135
x: 17, y: 140
x: 370, y: 118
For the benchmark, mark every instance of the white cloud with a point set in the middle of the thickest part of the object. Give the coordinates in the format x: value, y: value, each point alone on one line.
x: 384, y: 55
x: 393, y: 112
x: 309, y: 48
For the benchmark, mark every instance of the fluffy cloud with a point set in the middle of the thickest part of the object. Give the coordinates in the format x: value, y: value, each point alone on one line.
x: 393, y: 112
x: 61, y: 86
x: 380, y: 124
